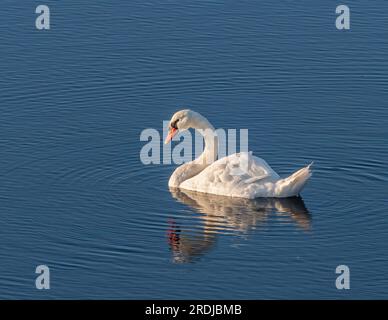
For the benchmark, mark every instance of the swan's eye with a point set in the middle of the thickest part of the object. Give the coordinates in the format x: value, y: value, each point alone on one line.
x: 174, y: 124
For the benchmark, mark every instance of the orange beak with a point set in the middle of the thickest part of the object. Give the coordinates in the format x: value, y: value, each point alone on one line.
x: 170, y: 135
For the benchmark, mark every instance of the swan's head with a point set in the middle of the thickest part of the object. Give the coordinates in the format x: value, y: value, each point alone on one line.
x: 181, y: 120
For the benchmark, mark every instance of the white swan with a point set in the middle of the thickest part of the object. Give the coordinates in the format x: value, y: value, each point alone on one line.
x: 238, y: 175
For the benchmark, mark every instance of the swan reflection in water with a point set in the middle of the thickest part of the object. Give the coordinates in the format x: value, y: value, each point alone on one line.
x: 227, y: 215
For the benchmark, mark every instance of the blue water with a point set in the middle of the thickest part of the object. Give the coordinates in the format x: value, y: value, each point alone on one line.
x: 75, y: 196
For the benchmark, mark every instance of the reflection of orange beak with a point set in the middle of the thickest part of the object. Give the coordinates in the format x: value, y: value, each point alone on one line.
x: 170, y: 135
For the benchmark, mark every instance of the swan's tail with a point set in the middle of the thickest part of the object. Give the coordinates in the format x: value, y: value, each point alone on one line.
x: 294, y: 184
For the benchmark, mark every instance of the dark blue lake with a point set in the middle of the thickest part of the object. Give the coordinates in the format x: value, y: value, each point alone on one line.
x: 75, y: 196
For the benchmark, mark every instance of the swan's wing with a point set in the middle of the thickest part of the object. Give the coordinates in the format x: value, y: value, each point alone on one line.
x: 232, y: 175
x: 256, y: 179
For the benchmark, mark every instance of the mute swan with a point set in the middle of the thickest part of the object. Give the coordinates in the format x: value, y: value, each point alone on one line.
x: 238, y: 175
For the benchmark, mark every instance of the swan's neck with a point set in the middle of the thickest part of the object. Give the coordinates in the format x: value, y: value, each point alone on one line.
x: 208, y: 156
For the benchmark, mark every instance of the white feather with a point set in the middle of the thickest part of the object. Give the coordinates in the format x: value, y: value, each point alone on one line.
x: 238, y: 175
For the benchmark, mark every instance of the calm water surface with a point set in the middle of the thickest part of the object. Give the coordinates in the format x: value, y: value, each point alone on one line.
x: 75, y: 196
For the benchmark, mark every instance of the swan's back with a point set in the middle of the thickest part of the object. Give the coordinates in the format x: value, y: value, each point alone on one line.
x: 238, y: 175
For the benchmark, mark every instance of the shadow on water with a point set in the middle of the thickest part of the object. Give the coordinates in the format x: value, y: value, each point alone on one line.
x: 227, y: 215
